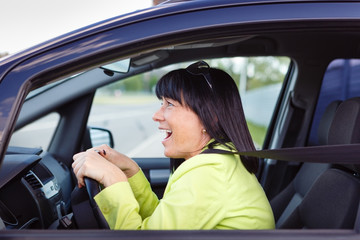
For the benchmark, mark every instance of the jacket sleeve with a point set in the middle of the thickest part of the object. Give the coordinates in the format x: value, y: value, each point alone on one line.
x: 190, y: 203
x: 138, y: 197
x: 143, y: 193
x: 119, y: 206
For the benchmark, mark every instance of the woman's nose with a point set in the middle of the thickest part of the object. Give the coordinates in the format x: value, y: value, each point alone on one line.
x: 158, y: 115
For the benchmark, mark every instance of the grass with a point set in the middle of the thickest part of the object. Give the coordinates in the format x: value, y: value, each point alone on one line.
x: 257, y: 133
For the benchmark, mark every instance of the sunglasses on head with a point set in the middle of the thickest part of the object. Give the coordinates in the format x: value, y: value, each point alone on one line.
x: 200, y: 68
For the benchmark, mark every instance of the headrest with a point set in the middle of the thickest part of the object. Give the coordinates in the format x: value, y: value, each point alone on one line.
x: 345, y: 127
x: 326, y: 120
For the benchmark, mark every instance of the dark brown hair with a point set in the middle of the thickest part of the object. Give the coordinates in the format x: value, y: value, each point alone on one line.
x: 218, y: 105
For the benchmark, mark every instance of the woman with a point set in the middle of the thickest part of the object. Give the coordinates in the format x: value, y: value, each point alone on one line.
x: 212, y: 188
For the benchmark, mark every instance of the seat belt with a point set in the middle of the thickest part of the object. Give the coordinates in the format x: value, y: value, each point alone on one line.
x: 340, y: 154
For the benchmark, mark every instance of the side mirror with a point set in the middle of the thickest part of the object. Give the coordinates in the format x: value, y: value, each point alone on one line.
x: 100, y: 136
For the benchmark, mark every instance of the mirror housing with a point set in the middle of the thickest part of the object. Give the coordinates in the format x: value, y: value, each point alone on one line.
x: 99, y: 136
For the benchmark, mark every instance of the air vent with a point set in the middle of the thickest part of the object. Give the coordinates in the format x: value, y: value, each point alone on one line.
x: 33, y: 180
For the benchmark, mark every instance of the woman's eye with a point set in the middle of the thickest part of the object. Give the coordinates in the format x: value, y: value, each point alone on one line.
x: 167, y: 103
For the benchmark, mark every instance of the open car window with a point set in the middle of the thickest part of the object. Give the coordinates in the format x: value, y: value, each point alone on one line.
x: 126, y: 107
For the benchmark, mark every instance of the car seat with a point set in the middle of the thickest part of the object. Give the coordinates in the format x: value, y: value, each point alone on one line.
x: 333, y: 199
x: 287, y: 200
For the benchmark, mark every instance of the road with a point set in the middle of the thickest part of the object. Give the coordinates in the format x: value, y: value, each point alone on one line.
x: 135, y: 133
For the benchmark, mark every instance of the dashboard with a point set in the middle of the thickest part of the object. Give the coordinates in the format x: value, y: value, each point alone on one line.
x: 35, y: 189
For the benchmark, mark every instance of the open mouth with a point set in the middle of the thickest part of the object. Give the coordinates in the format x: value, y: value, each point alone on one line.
x: 168, y: 134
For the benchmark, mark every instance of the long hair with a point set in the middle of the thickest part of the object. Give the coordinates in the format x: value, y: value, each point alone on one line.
x: 218, y: 106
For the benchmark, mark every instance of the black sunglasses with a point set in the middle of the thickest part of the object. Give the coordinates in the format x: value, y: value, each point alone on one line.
x: 200, y: 68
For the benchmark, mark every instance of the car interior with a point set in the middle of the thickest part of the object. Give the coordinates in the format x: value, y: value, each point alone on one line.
x: 305, y: 198
x: 309, y: 110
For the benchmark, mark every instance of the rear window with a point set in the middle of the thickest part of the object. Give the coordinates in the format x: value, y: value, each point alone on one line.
x: 341, y: 81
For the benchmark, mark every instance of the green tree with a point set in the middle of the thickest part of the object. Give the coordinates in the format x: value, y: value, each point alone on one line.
x: 266, y: 71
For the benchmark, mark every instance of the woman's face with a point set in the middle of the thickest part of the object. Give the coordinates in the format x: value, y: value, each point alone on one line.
x: 185, y: 136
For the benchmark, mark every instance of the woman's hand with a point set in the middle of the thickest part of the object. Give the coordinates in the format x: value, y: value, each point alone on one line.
x: 126, y: 164
x: 91, y: 164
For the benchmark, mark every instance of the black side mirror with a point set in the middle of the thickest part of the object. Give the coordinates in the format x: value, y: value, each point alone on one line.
x: 100, y: 136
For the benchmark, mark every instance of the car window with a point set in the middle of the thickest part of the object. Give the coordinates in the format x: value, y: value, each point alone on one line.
x: 36, y: 134
x: 341, y: 81
x: 126, y: 107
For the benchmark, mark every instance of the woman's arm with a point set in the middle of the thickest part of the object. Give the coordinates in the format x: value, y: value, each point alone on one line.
x: 190, y: 202
x: 109, y: 167
x: 124, y: 205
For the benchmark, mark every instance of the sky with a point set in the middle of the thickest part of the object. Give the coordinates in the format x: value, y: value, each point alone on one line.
x: 24, y: 23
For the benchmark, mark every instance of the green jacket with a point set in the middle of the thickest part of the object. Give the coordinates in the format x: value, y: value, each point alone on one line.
x: 207, y: 191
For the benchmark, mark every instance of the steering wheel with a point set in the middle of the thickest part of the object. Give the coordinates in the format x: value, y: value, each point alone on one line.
x: 87, y: 214
x: 93, y: 188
